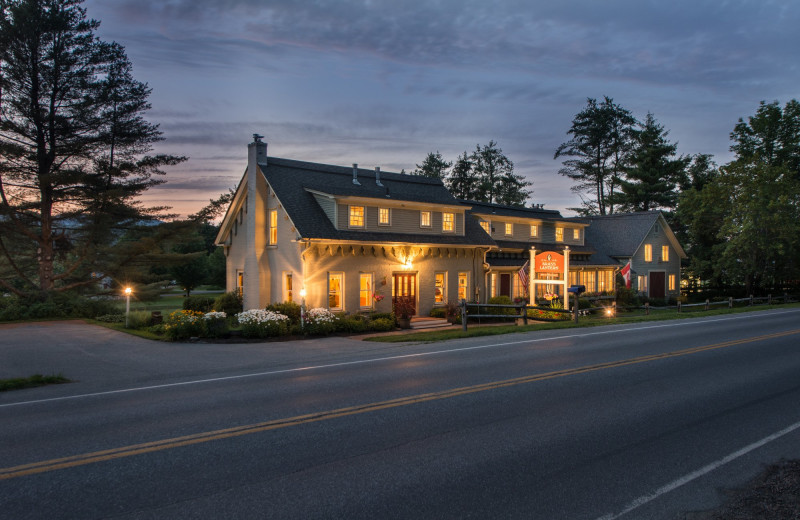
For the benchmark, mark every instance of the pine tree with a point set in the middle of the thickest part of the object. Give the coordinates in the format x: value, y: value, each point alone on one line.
x: 434, y: 166
x: 73, y: 147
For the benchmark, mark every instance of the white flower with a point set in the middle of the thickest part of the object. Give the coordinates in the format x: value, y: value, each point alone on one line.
x: 256, y: 316
x: 213, y: 315
x: 319, y: 315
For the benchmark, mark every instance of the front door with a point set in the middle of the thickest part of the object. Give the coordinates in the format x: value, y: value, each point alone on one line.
x: 657, y: 284
x: 404, y: 289
x: 505, y: 284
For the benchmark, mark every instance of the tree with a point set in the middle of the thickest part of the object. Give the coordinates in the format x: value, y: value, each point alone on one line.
x: 462, y: 181
x: 433, y: 166
x: 744, y: 221
x: 601, y: 139
x: 653, y: 174
x: 73, y: 147
x: 497, y: 182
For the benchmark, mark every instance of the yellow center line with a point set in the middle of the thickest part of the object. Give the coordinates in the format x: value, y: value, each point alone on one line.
x: 227, y: 433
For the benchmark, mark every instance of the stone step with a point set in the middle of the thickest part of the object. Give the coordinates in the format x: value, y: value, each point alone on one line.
x: 428, y: 323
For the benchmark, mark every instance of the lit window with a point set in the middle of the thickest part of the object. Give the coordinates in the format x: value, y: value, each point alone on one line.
x: 365, y: 291
x: 509, y: 228
x: 665, y: 253
x: 648, y: 253
x: 439, y: 288
x: 335, y: 282
x: 287, y: 287
x: 383, y: 216
x: 357, y: 216
x: 576, y: 234
x: 463, y: 286
x: 559, y: 234
x: 448, y: 221
x: 240, y: 282
x: 273, y: 226
x: 492, y: 285
x: 425, y: 219
x: 486, y: 225
x: 642, y: 284
x: 588, y: 278
x: 605, y: 281
x: 672, y: 282
x: 534, y: 230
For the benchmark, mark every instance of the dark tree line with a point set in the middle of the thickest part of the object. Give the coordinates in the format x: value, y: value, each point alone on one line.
x: 485, y: 175
x: 740, y: 223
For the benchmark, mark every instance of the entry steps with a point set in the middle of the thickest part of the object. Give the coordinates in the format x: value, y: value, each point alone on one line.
x: 422, y: 322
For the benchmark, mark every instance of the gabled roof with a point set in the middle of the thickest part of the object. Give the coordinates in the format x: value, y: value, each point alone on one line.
x: 486, y: 208
x: 621, y: 234
x: 291, y: 180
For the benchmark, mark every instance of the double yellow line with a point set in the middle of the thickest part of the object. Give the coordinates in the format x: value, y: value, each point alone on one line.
x: 227, y: 433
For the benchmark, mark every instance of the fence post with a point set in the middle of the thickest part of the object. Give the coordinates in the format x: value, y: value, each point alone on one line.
x: 614, y: 307
x: 769, y: 299
x: 707, y: 303
x: 575, y: 309
x: 463, y: 314
x: 679, y: 306
x: 524, y: 311
x: 785, y: 297
x: 730, y: 302
x: 751, y: 300
x: 647, y: 308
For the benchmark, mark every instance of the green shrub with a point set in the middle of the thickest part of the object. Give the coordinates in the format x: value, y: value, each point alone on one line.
x: 54, y: 305
x: 500, y: 300
x: 382, y: 316
x: 439, y: 312
x: 230, y: 303
x: 381, y: 325
x: 216, y: 324
x: 351, y: 324
x: 258, y: 323
x: 184, y: 324
x: 289, y: 309
x: 139, y: 319
x: 111, y: 318
x: 320, y: 321
x: 627, y: 297
x: 198, y: 303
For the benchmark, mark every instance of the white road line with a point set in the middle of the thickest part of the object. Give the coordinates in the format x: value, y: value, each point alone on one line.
x: 391, y: 358
x: 699, y: 473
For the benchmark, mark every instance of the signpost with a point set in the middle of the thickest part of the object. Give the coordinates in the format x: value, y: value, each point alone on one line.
x: 549, y: 268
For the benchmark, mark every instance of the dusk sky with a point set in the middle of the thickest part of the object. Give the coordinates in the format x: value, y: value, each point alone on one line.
x: 382, y: 83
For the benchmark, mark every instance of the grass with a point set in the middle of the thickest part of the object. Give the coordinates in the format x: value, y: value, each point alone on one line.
x: 31, y: 382
x: 120, y: 327
x: 591, y: 321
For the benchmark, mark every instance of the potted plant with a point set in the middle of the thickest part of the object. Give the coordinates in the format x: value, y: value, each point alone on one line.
x: 403, y: 309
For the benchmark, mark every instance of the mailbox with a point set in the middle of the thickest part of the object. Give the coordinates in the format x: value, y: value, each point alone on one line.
x: 577, y: 289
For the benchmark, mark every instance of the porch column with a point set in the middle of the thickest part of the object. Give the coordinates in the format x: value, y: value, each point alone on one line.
x: 566, y: 277
x: 532, y: 278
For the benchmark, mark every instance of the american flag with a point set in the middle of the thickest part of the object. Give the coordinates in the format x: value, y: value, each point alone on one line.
x: 523, y: 276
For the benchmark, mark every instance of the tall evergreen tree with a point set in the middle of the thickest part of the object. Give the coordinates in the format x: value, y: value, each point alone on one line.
x: 601, y: 139
x: 653, y: 173
x: 462, y: 181
x: 433, y: 166
x: 497, y: 181
x: 73, y: 146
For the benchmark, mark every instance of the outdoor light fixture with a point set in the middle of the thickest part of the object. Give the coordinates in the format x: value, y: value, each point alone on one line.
x: 303, y: 292
x: 128, y: 291
x: 407, y: 265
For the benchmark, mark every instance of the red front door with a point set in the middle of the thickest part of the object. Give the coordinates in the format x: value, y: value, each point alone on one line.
x: 404, y: 288
x: 505, y: 284
x: 657, y: 284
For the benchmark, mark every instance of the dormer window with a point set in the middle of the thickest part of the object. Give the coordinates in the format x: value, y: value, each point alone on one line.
x: 486, y: 225
x: 448, y: 222
x: 425, y: 219
x: 534, y: 230
x: 509, y: 229
x: 356, y: 216
x: 384, y: 216
x: 559, y: 234
x: 576, y: 234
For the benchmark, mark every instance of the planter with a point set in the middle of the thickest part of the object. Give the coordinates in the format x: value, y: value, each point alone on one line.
x: 404, y: 323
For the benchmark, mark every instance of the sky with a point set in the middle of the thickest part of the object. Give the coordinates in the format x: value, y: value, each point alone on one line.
x: 385, y: 82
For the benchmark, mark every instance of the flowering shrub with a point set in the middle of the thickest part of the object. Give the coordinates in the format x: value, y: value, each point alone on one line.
x: 261, y: 323
x: 319, y: 321
x: 184, y: 325
x: 216, y: 324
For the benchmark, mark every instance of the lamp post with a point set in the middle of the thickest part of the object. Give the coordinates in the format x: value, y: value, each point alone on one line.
x: 127, y: 305
x: 302, y: 308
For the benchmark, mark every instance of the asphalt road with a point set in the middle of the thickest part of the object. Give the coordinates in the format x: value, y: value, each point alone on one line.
x: 650, y: 420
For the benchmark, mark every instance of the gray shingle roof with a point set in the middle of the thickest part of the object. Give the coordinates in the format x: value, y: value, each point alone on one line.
x: 618, y: 235
x: 291, y: 179
x: 512, y: 211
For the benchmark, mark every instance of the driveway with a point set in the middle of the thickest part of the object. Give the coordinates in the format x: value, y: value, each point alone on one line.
x: 99, y: 359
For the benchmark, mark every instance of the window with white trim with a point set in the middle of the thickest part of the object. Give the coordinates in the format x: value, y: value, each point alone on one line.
x: 273, y: 226
x: 336, y: 291
x: 509, y: 229
x: 463, y: 286
x: 672, y: 282
x: 576, y: 234
x: 487, y: 226
x: 384, y: 216
x: 648, y: 253
x: 288, y: 293
x: 356, y: 216
x: 534, y: 230
x: 665, y: 253
x: 424, y: 219
x: 448, y: 222
x: 559, y: 234
x: 365, y: 290
x: 439, y: 288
